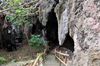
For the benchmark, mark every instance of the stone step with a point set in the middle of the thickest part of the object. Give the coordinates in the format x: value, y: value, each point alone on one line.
x: 50, y: 60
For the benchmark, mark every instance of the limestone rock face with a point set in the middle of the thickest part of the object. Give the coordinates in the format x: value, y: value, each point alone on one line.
x: 45, y: 8
x: 81, y: 19
x: 62, y: 17
x: 94, y: 56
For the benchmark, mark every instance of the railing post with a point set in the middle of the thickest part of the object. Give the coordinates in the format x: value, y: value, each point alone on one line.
x: 62, y: 57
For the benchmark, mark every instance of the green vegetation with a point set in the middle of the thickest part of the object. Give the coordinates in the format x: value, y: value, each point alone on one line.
x: 9, y: 55
x: 14, y: 60
x: 3, y: 52
x: 18, y: 11
x: 18, y: 20
x: 35, y: 41
x: 2, y: 60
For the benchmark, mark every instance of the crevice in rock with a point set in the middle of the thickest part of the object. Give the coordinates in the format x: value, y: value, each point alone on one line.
x: 57, y: 1
x: 52, y: 30
x: 68, y: 43
x: 9, y: 38
x: 37, y: 28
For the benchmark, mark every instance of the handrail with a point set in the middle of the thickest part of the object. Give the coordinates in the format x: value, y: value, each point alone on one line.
x: 60, y: 56
x: 61, y: 61
x: 38, y: 58
x: 61, y: 53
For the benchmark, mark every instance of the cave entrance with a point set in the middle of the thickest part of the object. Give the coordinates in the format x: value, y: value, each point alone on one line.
x: 52, y: 30
x: 68, y: 43
x: 52, y: 33
x: 37, y: 27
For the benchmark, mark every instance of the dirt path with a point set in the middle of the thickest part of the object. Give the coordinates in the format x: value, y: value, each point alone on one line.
x: 50, y: 60
x: 17, y: 63
x: 22, y: 54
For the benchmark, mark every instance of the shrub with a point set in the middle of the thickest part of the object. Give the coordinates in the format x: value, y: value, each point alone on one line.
x: 35, y: 41
x: 2, y: 59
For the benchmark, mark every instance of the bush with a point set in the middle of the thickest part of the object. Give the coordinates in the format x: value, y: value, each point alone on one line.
x: 2, y: 59
x: 35, y: 41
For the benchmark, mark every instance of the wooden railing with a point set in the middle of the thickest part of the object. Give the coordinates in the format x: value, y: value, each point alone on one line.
x: 61, y: 57
x: 38, y: 61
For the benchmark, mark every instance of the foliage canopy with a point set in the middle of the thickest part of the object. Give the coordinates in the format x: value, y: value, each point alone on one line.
x: 18, y: 11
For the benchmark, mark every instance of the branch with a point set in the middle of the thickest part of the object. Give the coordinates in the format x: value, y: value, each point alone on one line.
x: 14, y: 8
x: 61, y: 53
x: 61, y: 61
x: 29, y: 14
x: 39, y: 57
x: 29, y: 3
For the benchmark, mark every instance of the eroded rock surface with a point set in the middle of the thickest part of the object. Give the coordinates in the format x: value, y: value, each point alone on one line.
x: 81, y: 19
x: 62, y: 17
x: 45, y: 8
x: 84, y: 22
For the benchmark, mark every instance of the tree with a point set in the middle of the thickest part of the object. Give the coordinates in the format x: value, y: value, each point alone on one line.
x: 17, y: 11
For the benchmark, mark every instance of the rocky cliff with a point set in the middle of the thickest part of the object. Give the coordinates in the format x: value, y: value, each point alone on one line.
x: 81, y: 20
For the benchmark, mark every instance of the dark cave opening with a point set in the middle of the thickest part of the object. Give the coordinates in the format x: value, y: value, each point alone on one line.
x: 68, y: 43
x: 52, y: 30
x: 57, y: 1
x: 10, y: 38
x: 37, y: 28
x: 52, y: 34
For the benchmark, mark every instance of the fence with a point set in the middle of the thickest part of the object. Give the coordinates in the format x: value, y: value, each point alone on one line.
x: 61, y: 56
x: 38, y: 61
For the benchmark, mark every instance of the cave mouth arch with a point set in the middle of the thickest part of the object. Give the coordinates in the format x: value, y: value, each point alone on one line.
x: 52, y: 34
x: 52, y: 30
x: 68, y: 43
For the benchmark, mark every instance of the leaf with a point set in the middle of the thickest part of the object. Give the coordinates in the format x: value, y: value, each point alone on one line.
x: 30, y: 25
x: 14, y: 60
x: 10, y: 3
x: 35, y: 41
x: 18, y: 11
x: 2, y: 59
x: 15, y: 0
x: 9, y: 16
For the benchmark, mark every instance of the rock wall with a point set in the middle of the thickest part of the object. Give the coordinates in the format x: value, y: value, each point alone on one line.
x: 81, y: 19
x: 8, y: 35
x: 62, y: 17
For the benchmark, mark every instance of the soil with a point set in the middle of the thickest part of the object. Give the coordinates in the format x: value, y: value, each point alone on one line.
x: 23, y: 53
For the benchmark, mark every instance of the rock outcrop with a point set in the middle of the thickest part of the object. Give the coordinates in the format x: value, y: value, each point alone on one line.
x: 62, y: 17
x: 81, y: 20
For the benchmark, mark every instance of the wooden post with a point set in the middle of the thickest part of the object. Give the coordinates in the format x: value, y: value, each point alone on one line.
x: 65, y: 60
x: 36, y: 61
x: 62, y: 57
